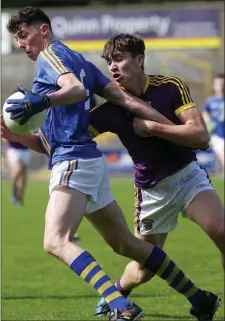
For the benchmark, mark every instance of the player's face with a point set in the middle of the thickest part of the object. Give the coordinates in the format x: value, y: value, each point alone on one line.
x: 125, y: 69
x: 218, y: 86
x: 32, y: 39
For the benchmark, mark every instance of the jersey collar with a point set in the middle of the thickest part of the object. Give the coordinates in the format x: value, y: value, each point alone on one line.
x: 147, y: 83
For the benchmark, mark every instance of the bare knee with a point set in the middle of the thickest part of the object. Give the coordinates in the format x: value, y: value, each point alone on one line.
x: 216, y: 229
x: 216, y: 232
x: 143, y: 276
x: 54, y: 245
x: 219, y: 237
x: 137, y: 273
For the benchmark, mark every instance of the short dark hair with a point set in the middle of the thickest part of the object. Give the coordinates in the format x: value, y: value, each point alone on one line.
x: 121, y: 43
x: 220, y: 76
x: 27, y: 16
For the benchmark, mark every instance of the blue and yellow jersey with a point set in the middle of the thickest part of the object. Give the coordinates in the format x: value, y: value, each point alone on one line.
x: 64, y: 133
x: 215, y: 108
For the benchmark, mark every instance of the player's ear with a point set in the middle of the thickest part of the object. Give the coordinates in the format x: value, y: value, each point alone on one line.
x: 140, y: 60
x: 45, y: 30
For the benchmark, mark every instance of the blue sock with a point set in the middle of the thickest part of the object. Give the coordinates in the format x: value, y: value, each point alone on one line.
x: 160, y: 264
x: 86, y: 267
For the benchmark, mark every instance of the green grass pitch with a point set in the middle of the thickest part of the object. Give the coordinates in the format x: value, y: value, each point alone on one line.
x: 36, y: 286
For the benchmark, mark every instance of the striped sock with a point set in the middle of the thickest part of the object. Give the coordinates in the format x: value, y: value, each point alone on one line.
x: 160, y: 264
x: 86, y: 267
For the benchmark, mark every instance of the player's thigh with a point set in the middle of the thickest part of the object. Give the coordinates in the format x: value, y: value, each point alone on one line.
x: 19, y: 160
x: 104, y: 195
x: 16, y: 169
x: 206, y: 209
x: 110, y: 223
x: 72, y: 184
x: 156, y: 239
x: 156, y: 208
x: 105, y: 214
x: 13, y: 162
x: 64, y: 212
x: 25, y: 157
x: 22, y: 171
x: 22, y: 156
x: 83, y: 175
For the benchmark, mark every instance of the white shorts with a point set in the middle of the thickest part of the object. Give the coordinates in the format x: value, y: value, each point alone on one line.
x: 88, y: 176
x: 157, y: 208
x: 217, y: 144
x: 23, y: 156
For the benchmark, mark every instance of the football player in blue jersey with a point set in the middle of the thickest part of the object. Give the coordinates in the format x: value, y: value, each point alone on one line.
x: 63, y: 85
x: 213, y: 113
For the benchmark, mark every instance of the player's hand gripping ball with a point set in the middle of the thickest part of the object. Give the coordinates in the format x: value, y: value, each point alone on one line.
x: 18, y: 117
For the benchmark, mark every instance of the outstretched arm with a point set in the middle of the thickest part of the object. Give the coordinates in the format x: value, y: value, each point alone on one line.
x: 31, y: 141
x: 118, y: 96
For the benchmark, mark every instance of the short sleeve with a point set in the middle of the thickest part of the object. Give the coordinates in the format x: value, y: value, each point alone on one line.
x: 181, y: 97
x: 100, y: 80
x: 52, y: 63
x: 44, y: 142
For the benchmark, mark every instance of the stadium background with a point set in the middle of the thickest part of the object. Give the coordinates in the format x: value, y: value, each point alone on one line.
x: 183, y: 39
x: 34, y: 285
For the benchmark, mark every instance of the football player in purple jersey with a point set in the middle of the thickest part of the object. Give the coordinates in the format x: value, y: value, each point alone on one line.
x: 168, y: 179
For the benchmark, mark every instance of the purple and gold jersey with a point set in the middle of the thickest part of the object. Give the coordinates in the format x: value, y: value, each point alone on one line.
x: 153, y: 158
x: 64, y: 133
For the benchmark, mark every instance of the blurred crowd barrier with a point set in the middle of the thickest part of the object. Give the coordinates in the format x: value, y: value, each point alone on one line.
x: 184, y: 40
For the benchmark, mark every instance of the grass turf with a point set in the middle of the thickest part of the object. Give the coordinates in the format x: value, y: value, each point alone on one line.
x: 35, y: 286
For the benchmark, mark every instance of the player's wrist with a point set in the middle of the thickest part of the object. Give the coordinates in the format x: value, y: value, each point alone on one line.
x: 153, y: 126
x: 47, y: 101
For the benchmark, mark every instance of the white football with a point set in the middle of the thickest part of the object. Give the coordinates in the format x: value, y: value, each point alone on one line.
x: 31, y: 125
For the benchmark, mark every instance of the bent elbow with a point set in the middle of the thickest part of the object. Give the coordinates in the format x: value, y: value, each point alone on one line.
x: 82, y: 92
x: 204, y: 139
